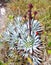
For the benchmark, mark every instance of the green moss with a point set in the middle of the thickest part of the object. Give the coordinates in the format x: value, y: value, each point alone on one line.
x: 49, y: 44
x: 49, y: 51
x: 1, y: 63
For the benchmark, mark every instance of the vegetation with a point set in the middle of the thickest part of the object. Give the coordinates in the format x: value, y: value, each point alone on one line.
x: 19, y: 7
x: 43, y: 7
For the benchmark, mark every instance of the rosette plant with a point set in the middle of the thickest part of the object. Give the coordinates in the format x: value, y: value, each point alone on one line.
x: 27, y: 36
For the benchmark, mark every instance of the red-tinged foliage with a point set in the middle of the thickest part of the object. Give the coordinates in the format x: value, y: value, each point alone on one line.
x: 30, y: 6
x: 35, y: 12
x: 37, y: 33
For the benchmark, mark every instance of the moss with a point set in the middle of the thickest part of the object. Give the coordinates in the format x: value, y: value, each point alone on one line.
x: 49, y: 51
x: 1, y: 63
x: 49, y: 44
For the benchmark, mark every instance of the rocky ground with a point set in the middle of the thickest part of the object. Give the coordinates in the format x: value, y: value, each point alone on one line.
x: 48, y: 62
